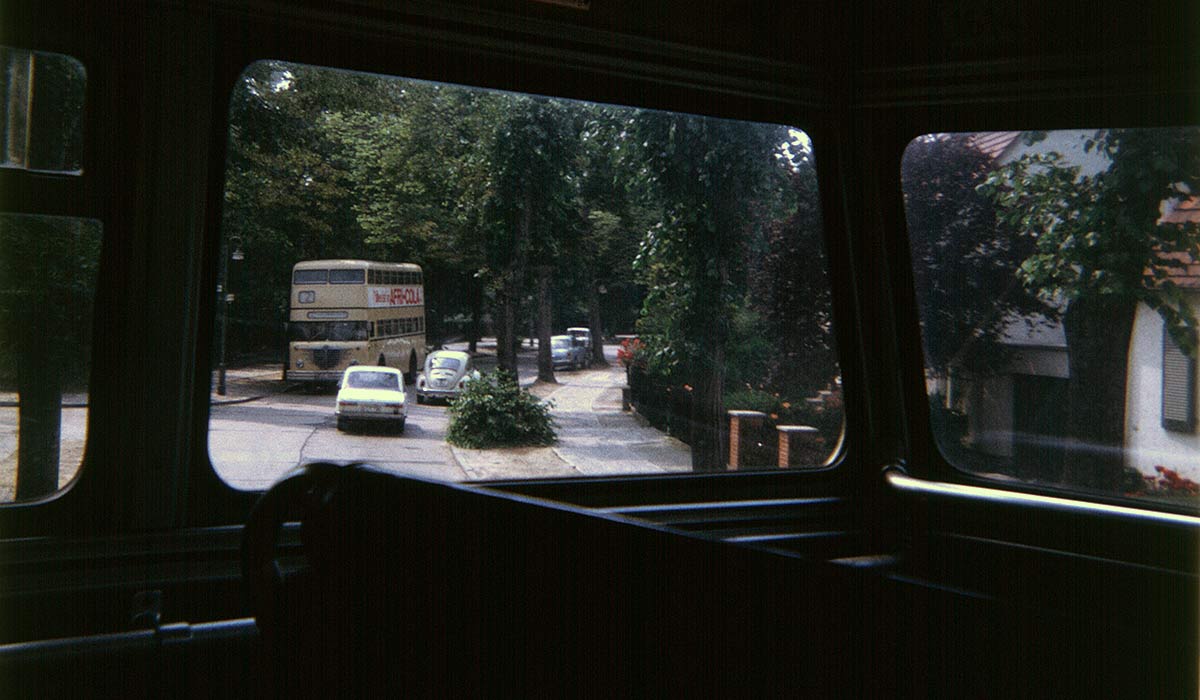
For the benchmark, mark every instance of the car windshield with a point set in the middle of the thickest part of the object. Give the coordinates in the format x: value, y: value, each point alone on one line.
x: 444, y: 363
x: 560, y: 343
x: 372, y: 380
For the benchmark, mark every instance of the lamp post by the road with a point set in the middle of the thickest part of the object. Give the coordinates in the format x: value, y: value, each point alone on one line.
x: 225, y: 290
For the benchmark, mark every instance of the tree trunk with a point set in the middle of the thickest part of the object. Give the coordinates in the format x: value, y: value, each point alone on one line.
x: 475, y: 301
x: 506, y: 350
x: 544, y: 321
x: 597, y: 359
x: 710, y: 450
x: 39, y: 418
x: 514, y: 285
x: 1098, y: 331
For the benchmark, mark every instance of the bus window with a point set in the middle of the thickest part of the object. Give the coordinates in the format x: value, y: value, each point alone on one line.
x: 691, y: 248
x: 41, y: 124
x: 345, y: 276
x: 1058, y: 285
x: 48, y: 271
x: 310, y: 277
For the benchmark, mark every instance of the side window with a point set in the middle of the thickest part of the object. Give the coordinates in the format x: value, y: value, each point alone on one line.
x: 1058, y: 283
x: 43, y: 111
x: 691, y: 247
x: 47, y: 283
x: 48, y: 268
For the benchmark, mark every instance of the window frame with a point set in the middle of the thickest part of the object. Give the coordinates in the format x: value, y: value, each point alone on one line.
x: 924, y: 460
x: 649, y: 89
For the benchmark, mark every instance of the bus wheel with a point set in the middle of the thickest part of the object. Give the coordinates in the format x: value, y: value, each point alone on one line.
x: 410, y: 377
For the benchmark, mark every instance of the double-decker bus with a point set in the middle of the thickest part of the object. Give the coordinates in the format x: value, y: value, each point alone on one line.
x: 354, y: 312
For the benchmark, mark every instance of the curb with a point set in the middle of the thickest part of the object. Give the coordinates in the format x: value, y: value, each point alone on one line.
x: 17, y: 404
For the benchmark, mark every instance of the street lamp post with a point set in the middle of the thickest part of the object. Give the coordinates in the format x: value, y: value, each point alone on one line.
x: 236, y: 255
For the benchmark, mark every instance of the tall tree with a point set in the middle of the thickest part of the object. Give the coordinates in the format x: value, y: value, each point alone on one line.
x: 790, y: 290
x: 963, y: 259
x: 1095, y: 239
x: 528, y: 211
x: 709, y: 177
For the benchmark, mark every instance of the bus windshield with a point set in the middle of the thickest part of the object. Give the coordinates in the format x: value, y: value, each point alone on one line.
x: 309, y: 331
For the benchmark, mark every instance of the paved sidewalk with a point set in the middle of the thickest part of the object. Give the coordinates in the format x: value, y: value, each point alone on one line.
x: 596, y: 438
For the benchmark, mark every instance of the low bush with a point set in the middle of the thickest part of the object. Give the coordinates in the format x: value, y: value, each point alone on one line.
x: 493, y: 411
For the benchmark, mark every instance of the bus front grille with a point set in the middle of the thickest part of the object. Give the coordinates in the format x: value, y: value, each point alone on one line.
x: 327, y: 358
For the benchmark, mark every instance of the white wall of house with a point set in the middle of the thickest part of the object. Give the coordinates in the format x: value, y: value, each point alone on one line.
x: 1068, y: 142
x: 1147, y: 443
x: 989, y: 409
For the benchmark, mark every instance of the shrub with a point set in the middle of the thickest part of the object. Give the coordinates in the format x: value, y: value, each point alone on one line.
x: 493, y: 411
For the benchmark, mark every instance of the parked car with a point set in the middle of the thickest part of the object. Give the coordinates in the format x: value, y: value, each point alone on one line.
x: 371, y: 394
x: 566, y: 352
x: 446, y: 371
x: 581, y: 335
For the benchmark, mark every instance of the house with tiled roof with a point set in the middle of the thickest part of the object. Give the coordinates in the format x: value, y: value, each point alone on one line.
x: 1160, y: 404
x: 1018, y: 413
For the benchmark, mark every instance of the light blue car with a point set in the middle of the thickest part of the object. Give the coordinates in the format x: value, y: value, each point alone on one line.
x: 568, y: 352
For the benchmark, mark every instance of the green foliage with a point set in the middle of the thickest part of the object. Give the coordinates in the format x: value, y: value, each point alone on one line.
x: 493, y: 411
x: 963, y: 258
x: 712, y: 182
x: 1097, y: 235
x: 47, y: 288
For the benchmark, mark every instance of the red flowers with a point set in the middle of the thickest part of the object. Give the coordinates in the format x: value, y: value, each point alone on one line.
x: 630, y: 348
x: 1170, y: 480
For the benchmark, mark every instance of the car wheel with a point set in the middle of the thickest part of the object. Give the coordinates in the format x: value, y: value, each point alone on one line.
x: 420, y: 398
x: 400, y: 426
x: 343, y: 424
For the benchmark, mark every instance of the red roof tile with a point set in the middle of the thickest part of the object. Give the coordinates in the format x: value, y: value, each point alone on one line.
x: 993, y: 143
x: 1185, y: 212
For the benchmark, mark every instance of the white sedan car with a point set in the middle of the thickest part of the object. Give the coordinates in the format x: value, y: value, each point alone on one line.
x: 371, y: 394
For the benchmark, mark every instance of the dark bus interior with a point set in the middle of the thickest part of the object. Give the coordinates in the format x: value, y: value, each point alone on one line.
x: 894, y: 573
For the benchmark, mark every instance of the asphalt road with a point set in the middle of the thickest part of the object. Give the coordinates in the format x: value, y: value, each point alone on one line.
x: 264, y: 427
x: 251, y: 444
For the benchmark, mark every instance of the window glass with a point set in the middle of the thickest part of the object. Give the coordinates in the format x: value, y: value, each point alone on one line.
x: 346, y: 276
x: 47, y: 286
x: 1058, y: 281
x: 41, y: 127
x: 691, y: 247
x: 310, y: 276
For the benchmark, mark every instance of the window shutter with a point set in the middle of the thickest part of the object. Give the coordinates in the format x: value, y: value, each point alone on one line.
x: 1178, y: 395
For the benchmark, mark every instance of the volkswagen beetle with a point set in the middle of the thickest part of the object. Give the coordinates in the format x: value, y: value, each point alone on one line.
x: 445, y: 373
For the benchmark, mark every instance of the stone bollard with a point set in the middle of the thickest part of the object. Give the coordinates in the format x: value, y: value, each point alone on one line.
x: 800, y: 446
x: 744, y: 430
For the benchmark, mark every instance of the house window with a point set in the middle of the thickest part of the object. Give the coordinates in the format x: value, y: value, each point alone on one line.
x: 1178, y: 387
